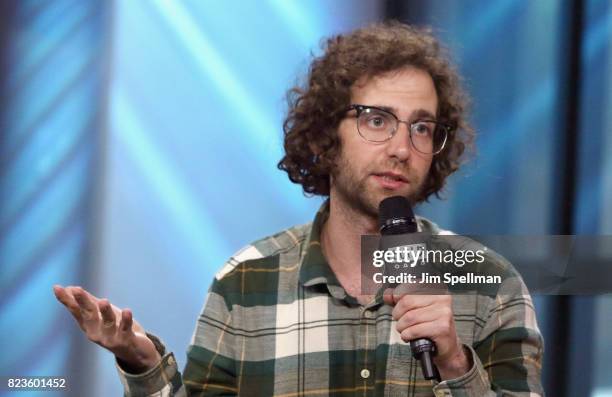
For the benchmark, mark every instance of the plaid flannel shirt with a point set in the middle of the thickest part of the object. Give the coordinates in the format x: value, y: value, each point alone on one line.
x: 276, y: 322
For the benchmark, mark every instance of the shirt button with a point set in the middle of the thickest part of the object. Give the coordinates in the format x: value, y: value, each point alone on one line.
x: 367, y: 314
x: 365, y: 374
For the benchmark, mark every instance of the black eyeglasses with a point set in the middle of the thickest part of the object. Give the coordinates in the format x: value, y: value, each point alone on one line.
x: 379, y: 125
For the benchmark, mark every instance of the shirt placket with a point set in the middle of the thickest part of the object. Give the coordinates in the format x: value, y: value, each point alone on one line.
x: 365, y: 372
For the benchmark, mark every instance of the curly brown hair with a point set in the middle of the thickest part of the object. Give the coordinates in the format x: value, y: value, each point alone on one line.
x: 311, y: 141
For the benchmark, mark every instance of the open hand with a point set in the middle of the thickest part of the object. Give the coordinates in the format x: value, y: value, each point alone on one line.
x: 110, y: 327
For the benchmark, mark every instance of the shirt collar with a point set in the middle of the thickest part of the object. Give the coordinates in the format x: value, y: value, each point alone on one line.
x: 315, y: 270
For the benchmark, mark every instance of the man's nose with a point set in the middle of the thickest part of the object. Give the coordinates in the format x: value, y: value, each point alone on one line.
x: 399, y: 146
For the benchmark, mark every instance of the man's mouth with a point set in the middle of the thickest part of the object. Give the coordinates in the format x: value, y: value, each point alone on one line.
x: 390, y: 180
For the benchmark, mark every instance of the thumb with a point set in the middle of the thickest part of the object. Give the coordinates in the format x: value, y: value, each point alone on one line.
x: 388, y: 297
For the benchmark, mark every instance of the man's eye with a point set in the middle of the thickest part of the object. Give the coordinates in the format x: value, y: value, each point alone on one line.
x: 376, y: 122
x: 423, y: 128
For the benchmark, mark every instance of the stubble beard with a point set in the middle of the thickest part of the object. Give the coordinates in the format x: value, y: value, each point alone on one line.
x: 355, y: 193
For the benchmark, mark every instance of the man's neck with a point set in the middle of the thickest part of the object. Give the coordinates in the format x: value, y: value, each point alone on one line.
x: 341, y: 243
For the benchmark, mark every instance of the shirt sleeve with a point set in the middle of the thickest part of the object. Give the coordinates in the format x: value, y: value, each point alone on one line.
x: 162, y: 380
x: 507, y: 354
x: 210, y: 368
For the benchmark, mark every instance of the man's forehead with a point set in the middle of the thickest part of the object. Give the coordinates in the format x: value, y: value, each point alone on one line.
x: 398, y: 92
x: 406, y: 70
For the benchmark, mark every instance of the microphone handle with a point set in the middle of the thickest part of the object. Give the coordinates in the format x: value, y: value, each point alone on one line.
x: 424, y: 349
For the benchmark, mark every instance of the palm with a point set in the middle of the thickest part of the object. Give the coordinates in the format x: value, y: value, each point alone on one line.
x: 110, y: 327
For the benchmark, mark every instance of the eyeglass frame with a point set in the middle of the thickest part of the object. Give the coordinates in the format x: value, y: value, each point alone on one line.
x: 361, y: 108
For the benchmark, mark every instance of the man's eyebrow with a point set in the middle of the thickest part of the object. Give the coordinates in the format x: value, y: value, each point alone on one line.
x: 386, y: 108
x: 422, y: 114
x: 416, y: 114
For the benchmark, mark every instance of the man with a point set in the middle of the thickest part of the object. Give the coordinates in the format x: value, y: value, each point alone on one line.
x: 382, y: 114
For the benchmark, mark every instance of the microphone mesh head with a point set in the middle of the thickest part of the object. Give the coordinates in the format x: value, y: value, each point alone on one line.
x: 394, y: 207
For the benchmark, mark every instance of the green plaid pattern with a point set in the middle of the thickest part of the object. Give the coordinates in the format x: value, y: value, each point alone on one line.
x: 276, y: 322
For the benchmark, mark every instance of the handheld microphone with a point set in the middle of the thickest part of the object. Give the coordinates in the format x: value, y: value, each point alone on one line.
x: 395, y: 217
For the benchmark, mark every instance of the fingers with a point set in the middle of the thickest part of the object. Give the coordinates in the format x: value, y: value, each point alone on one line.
x: 425, y: 316
x: 388, y: 297
x: 109, y: 327
x: 109, y: 320
x: 433, y: 329
x: 439, y: 329
x: 424, y: 330
x: 88, y: 307
x: 411, y: 302
x: 83, y: 306
x: 126, y: 321
x: 67, y: 300
x: 417, y: 316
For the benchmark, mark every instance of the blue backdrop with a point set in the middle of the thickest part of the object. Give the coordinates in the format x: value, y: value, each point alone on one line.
x: 139, y: 144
